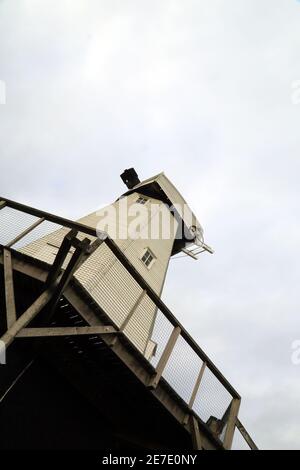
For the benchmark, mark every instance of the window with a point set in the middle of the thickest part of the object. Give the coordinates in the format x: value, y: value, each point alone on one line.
x: 148, y: 258
x: 142, y: 200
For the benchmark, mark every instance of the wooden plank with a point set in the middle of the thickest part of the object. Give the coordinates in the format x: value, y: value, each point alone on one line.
x: 2, y: 204
x: 196, y: 437
x: 231, y: 422
x: 246, y: 436
x: 25, y: 232
x: 165, y: 357
x: 9, y: 289
x: 65, y: 331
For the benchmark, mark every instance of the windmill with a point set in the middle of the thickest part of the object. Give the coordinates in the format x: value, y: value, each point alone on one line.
x: 83, y: 311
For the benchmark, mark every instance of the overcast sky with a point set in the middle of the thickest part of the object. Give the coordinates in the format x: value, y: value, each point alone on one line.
x: 202, y: 90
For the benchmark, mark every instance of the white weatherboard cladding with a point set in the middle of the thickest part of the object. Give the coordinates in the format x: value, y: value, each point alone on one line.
x: 174, y: 196
x: 105, y: 278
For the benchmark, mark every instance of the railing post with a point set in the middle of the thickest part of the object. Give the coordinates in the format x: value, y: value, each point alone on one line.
x: 196, y: 437
x: 165, y: 357
x: 9, y: 289
x: 231, y: 422
x: 195, y: 390
x: 197, y: 385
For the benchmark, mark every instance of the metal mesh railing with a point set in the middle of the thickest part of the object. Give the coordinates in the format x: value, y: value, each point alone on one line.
x: 134, y: 307
x: 212, y: 398
x: 161, y: 333
x: 12, y: 223
x: 37, y: 233
x: 182, y: 369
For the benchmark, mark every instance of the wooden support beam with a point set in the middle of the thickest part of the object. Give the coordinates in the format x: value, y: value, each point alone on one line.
x: 65, y: 331
x: 246, y: 436
x: 2, y: 204
x: 50, y: 295
x: 231, y: 422
x: 27, y: 316
x: 196, y: 437
x: 60, y: 257
x: 25, y: 232
x: 67, y: 275
x: 165, y: 357
x: 71, y: 268
x: 9, y: 288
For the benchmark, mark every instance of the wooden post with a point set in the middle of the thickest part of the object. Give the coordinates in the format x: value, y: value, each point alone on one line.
x: 196, y: 438
x: 195, y: 390
x: 9, y: 288
x: 231, y: 422
x: 165, y: 357
x: 197, y: 385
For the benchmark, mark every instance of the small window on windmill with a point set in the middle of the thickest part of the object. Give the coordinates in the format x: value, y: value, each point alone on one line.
x: 148, y: 258
x: 141, y: 200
